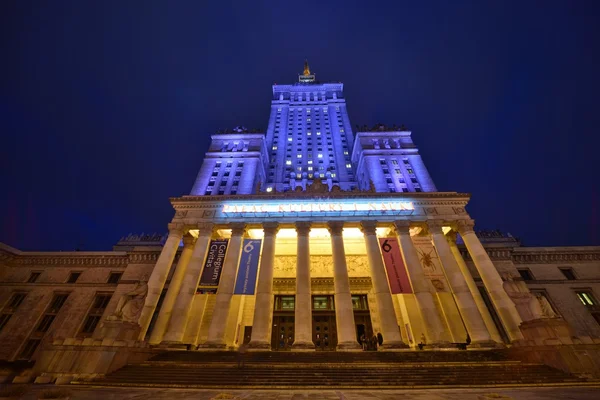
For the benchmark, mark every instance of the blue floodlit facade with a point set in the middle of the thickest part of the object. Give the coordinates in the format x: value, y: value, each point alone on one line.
x: 310, y: 136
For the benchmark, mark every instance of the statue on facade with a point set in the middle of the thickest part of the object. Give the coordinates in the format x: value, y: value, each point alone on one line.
x: 130, y: 304
x: 547, y: 311
x: 371, y: 187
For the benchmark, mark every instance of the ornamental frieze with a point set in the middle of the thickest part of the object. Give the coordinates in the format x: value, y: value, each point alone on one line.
x: 321, y: 266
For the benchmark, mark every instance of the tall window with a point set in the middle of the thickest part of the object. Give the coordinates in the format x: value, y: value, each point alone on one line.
x: 95, y: 314
x: 33, y: 277
x: 48, y: 318
x: 14, y: 303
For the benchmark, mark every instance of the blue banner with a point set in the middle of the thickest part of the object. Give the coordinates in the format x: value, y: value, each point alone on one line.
x: 246, y: 278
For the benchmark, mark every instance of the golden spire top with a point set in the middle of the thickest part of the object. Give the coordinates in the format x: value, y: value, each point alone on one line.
x: 306, y: 69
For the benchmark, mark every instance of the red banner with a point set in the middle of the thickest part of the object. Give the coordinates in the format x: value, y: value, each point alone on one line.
x: 394, y: 265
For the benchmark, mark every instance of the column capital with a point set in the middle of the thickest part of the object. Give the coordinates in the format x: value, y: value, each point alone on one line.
x: 205, y: 228
x: 368, y: 227
x: 188, y: 240
x: 303, y: 228
x: 402, y: 227
x: 435, y: 226
x: 270, y: 228
x: 335, y: 228
x: 465, y: 226
x: 176, y: 230
x: 237, y: 228
x: 451, y: 237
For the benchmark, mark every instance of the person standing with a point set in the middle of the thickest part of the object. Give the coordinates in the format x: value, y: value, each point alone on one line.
x: 379, y: 338
x: 374, y: 343
x: 363, y: 342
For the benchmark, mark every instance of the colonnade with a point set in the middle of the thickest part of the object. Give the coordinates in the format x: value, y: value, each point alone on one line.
x: 172, y: 320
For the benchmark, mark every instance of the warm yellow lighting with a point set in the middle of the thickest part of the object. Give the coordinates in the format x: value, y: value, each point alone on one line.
x: 194, y: 232
x: 350, y: 233
x: 224, y: 233
x: 415, y: 230
x: 446, y: 229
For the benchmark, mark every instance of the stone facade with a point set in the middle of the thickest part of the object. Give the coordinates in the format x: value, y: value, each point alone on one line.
x: 347, y: 245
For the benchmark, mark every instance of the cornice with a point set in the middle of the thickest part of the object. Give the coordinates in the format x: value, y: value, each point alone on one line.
x: 57, y: 259
x: 547, y: 255
x: 417, y: 198
x: 555, y: 257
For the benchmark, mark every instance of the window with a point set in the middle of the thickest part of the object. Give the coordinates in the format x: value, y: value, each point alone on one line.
x: 29, y: 349
x: 12, y: 305
x: 320, y: 302
x: 360, y: 302
x: 114, y: 277
x: 38, y: 333
x: 284, y: 303
x: 526, y: 274
x: 73, y: 276
x: 568, y: 273
x: 95, y: 314
x: 33, y: 277
x: 586, y: 297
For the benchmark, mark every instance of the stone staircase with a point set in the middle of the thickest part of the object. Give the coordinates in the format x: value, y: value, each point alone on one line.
x: 336, y: 369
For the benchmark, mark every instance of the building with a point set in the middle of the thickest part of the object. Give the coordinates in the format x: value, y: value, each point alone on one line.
x: 309, y: 237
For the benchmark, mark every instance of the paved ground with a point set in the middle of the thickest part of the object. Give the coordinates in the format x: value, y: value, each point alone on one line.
x: 88, y: 392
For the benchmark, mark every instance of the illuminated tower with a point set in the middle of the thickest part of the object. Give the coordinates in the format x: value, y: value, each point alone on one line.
x: 310, y: 136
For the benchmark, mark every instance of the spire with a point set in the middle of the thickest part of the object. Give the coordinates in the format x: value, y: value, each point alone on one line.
x: 306, y: 76
x: 306, y: 68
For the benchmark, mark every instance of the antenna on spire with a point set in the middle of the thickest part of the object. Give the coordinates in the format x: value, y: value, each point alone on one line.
x: 306, y: 76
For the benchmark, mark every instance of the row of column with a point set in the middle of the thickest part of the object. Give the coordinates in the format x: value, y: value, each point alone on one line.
x: 171, y: 323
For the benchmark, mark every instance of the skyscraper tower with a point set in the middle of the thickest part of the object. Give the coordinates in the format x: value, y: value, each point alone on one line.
x: 309, y: 136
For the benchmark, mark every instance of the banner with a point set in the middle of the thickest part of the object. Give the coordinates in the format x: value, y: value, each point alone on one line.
x: 246, y: 278
x: 394, y: 265
x: 214, y: 263
x: 431, y: 263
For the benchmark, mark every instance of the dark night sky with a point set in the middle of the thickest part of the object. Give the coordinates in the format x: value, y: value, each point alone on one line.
x: 106, y: 107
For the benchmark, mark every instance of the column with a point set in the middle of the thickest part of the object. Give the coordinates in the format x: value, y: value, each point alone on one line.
x: 344, y: 313
x: 387, y: 315
x: 421, y: 286
x: 483, y: 310
x: 164, y: 314
x: 183, y: 303
x: 469, y: 312
x: 218, y: 323
x: 491, y: 279
x: 303, y: 306
x: 263, y: 308
x: 159, y: 276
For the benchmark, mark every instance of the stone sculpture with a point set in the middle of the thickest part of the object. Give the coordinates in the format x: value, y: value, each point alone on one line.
x: 130, y: 304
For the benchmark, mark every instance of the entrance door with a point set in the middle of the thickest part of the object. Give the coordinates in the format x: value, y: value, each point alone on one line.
x: 324, y: 332
x: 282, y: 336
x: 363, y: 325
x: 247, y: 334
